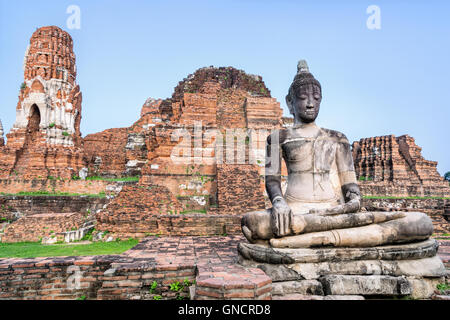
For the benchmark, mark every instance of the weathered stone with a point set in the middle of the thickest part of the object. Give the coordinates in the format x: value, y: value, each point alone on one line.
x: 105, y: 152
x: 221, y: 98
x: 365, y: 285
x: 277, y: 272
x: 423, y: 288
x: 345, y: 297
x: 320, y: 205
x: 440, y: 297
x: 83, y: 173
x: 433, y: 207
x: 394, y: 166
x: 310, y: 287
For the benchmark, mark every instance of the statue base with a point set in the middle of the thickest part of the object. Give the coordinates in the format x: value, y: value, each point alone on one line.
x: 411, y: 269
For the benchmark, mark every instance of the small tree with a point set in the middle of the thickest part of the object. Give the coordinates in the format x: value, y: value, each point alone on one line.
x: 447, y: 176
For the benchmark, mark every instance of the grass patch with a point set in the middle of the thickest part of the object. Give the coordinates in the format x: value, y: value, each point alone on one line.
x: 193, y: 211
x: 36, y: 249
x: 443, y: 287
x: 47, y: 193
x: 418, y: 198
x: 95, y: 178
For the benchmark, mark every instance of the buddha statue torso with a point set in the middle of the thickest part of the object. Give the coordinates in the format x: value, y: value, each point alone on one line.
x: 308, y: 169
x: 311, y: 155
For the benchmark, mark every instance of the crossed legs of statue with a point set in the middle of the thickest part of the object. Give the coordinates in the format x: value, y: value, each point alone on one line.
x: 361, y: 229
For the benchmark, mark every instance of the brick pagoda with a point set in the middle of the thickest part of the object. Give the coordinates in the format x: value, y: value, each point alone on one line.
x: 394, y: 166
x: 210, y: 100
x: 45, y: 139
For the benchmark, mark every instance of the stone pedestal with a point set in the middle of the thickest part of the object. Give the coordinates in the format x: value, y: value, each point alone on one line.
x: 323, y: 273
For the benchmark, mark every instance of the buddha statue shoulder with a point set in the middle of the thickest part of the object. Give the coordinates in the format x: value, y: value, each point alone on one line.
x: 321, y: 204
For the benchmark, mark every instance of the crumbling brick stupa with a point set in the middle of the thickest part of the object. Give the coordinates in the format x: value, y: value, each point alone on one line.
x: 393, y: 175
x: 45, y: 139
x: 203, y: 107
x: 394, y: 166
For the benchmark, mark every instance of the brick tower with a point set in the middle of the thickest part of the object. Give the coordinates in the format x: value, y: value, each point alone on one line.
x: 45, y: 139
x: 394, y: 166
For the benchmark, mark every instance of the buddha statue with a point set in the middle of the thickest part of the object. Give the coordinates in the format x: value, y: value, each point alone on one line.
x: 321, y: 205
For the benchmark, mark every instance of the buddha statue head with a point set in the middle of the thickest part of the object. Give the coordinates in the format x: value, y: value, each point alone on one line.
x: 305, y: 95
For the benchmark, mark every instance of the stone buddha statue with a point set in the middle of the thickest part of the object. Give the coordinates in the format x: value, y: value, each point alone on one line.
x: 321, y: 205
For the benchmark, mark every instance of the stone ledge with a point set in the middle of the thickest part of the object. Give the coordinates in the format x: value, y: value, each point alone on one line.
x: 260, y: 253
x: 427, y: 267
x: 365, y: 285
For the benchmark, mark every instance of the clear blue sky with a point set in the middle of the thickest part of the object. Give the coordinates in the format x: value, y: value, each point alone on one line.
x: 375, y: 82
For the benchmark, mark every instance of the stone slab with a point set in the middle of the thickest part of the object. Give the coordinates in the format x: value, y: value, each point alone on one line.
x: 365, y: 285
x: 262, y: 253
x: 424, y: 288
x: 309, y: 287
x: 427, y: 267
x: 297, y: 296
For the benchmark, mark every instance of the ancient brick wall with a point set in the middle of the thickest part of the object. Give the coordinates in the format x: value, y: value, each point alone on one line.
x: 220, y: 99
x: 45, y: 139
x: 14, y: 207
x: 69, y: 278
x: 53, y: 185
x: 141, y: 210
x: 238, y: 189
x: 227, y: 77
x: 394, y: 166
x: 105, y: 152
x: 52, y: 278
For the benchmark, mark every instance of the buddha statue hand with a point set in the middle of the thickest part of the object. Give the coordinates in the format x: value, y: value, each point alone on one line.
x: 352, y: 197
x: 281, y: 217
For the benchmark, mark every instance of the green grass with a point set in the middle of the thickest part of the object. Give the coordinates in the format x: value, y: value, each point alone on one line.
x: 135, y: 178
x: 443, y: 287
x: 48, y: 193
x: 418, y: 198
x: 36, y: 249
x: 193, y: 211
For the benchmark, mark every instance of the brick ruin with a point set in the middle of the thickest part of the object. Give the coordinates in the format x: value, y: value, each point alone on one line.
x: 203, y: 196
x: 197, y: 198
x: 394, y: 166
x: 45, y: 139
x: 206, y: 103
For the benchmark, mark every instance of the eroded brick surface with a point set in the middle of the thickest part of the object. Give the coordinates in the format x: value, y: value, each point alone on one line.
x: 36, y: 226
x: 45, y: 139
x: 396, y: 167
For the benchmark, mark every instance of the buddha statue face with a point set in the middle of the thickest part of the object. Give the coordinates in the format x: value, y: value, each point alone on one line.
x: 306, y: 100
